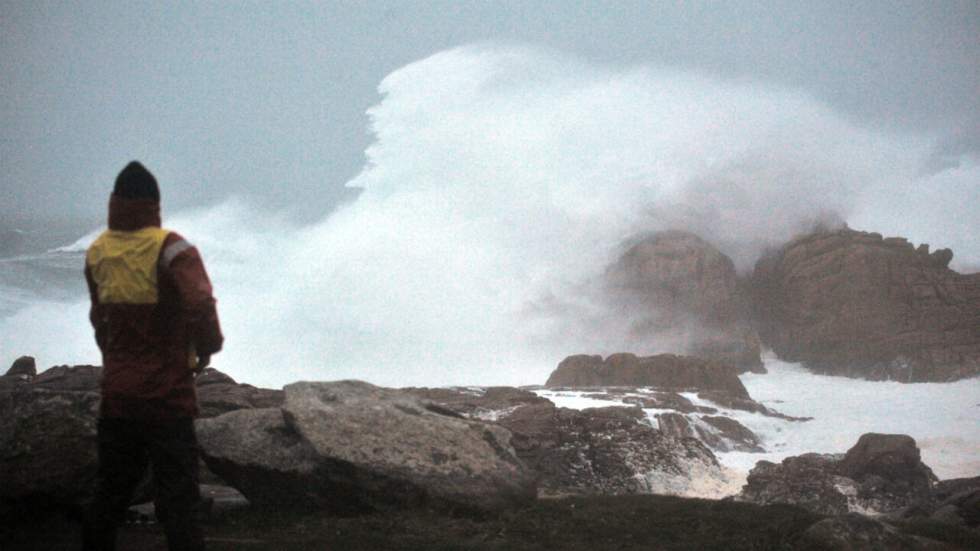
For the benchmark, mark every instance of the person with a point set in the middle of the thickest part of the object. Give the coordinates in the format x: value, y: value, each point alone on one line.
x: 156, y: 325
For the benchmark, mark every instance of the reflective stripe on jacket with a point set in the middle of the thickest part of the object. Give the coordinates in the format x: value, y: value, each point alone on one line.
x: 153, y: 313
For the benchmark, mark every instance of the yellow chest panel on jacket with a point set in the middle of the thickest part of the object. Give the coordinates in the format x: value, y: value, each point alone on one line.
x: 124, y: 265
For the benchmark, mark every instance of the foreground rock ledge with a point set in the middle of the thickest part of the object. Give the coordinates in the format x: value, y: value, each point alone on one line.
x: 351, y: 445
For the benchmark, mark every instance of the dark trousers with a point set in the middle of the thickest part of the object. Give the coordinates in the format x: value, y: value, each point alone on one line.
x: 126, y: 447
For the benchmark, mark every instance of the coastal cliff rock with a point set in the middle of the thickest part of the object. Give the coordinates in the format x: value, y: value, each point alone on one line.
x: 350, y: 445
x: 882, y: 473
x: 682, y: 292
x: 663, y: 371
x: 853, y: 303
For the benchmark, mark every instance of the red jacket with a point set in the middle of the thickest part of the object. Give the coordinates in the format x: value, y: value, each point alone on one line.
x: 153, y: 314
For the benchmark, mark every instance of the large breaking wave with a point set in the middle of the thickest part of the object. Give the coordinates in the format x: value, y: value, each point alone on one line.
x: 500, y: 184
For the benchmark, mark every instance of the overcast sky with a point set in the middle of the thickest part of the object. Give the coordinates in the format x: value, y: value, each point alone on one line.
x: 266, y: 100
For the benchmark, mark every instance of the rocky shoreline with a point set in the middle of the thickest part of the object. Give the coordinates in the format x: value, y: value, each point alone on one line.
x: 350, y: 450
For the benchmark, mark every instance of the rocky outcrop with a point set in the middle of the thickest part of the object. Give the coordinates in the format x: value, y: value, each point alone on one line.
x: 807, y: 480
x: 881, y: 474
x: 218, y: 393
x: 721, y: 434
x: 726, y: 434
x: 74, y: 378
x: 856, y: 304
x: 48, y: 450
x: 663, y: 371
x: 681, y: 294
x: 257, y: 453
x: 351, y: 445
x: 48, y: 455
x: 607, y: 451
x: 889, y: 468
x: 955, y: 501
x: 23, y: 367
x: 612, y: 450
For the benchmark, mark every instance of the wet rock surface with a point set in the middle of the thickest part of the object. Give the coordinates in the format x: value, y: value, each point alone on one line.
x: 855, y: 304
x: 730, y: 401
x: 727, y: 434
x: 807, y: 480
x: 608, y: 450
x: 880, y: 475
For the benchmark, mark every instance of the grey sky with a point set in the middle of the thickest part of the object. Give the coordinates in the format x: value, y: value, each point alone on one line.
x: 266, y: 99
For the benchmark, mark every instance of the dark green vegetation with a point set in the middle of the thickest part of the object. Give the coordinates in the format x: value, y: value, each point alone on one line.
x: 595, y: 523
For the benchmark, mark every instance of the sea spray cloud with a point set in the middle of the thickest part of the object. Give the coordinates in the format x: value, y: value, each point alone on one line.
x: 500, y: 185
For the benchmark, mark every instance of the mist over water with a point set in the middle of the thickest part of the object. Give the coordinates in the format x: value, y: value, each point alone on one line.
x: 501, y: 183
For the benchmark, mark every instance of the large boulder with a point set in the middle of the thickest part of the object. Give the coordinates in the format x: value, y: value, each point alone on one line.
x: 256, y: 452
x: 853, y: 303
x: 48, y: 452
x: 955, y: 501
x: 880, y: 474
x: 663, y: 371
x: 807, y: 480
x: 888, y: 466
x: 351, y: 445
x: 681, y: 292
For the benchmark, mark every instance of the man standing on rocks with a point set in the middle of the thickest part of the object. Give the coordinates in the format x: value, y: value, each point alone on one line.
x: 156, y: 325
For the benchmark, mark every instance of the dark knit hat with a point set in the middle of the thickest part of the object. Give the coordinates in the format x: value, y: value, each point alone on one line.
x: 135, y: 182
